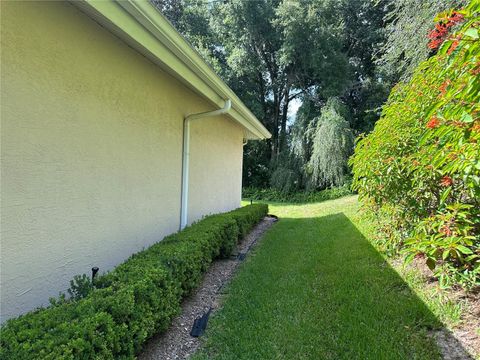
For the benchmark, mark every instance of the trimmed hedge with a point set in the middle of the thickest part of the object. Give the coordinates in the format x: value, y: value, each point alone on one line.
x: 132, y: 302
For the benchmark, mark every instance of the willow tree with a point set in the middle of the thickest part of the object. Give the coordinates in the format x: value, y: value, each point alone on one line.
x: 332, y: 145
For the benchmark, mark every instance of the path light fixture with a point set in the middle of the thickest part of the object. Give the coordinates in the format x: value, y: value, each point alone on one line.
x: 94, y: 272
x: 200, y: 324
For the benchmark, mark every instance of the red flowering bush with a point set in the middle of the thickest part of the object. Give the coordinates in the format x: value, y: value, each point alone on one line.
x: 446, y: 181
x: 433, y: 123
x: 420, y: 167
x: 438, y: 35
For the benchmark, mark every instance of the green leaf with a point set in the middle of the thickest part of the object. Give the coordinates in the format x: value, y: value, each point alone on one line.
x: 431, y: 263
x: 464, y: 249
x: 445, y: 254
x: 472, y: 32
x: 466, y: 118
x: 445, y: 195
x: 409, y: 258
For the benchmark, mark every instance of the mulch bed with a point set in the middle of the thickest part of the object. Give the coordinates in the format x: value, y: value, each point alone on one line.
x: 176, y: 342
x: 463, y: 341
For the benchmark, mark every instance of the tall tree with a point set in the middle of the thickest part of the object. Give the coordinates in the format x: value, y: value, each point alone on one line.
x: 271, y: 52
x: 251, y: 47
x: 332, y: 146
x: 365, y: 32
x: 280, y: 49
x: 192, y: 19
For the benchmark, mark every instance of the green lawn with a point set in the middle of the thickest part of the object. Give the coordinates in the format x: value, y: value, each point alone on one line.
x: 315, y: 288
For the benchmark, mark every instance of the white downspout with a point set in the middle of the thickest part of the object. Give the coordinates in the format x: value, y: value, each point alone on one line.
x: 186, y: 155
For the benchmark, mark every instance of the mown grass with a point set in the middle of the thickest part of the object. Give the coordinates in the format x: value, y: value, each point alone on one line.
x: 317, y: 289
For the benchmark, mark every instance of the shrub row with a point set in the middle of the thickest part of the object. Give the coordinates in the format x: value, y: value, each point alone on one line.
x: 274, y: 195
x: 132, y: 302
x: 420, y: 167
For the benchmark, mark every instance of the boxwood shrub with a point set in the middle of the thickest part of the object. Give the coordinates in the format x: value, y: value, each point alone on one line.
x: 133, y: 301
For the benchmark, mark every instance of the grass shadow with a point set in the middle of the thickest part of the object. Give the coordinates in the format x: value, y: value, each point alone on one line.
x: 317, y: 289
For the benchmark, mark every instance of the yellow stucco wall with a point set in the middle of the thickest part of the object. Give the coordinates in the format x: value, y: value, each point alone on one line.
x: 91, y: 140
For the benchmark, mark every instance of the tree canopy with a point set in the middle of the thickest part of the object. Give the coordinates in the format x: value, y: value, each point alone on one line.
x: 279, y: 53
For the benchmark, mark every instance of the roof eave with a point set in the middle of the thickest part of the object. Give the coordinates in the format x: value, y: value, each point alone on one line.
x: 142, y: 26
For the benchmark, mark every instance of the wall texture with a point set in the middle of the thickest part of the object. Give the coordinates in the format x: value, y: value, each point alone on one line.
x: 91, y: 141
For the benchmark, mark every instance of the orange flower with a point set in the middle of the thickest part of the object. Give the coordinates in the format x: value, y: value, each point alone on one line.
x: 453, y: 47
x: 443, y: 87
x: 476, y: 126
x: 445, y: 229
x: 434, y: 44
x: 439, y: 34
x: 433, y: 123
x: 456, y: 17
x: 446, y: 181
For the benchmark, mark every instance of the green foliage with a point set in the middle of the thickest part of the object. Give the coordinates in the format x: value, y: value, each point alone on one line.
x: 80, y: 287
x: 274, y: 52
x: 287, y: 175
x: 321, y: 142
x: 303, y: 129
x: 251, y: 193
x: 191, y: 19
x: 312, y: 32
x: 408, y: 23
x: 285, y: 179
x: 365, y: 28
x: 256, y: 157
x: 421, y: 164
x: 332, y: 146
x: 132, y: 302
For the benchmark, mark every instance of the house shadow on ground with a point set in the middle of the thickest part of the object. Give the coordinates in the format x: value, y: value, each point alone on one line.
x: 317, y: 289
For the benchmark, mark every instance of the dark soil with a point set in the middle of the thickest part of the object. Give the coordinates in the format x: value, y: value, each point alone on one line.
x: 462, y: 342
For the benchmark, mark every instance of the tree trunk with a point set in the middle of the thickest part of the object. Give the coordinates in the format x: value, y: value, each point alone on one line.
x: 276, y: 113
x: 283, y: 124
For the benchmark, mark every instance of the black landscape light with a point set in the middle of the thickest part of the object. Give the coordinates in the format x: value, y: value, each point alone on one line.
x: 241, y: 256
x: 200, y: 324
x: 94, y: 272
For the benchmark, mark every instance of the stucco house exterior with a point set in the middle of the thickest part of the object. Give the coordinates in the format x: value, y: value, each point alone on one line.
x: 101, y: 151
